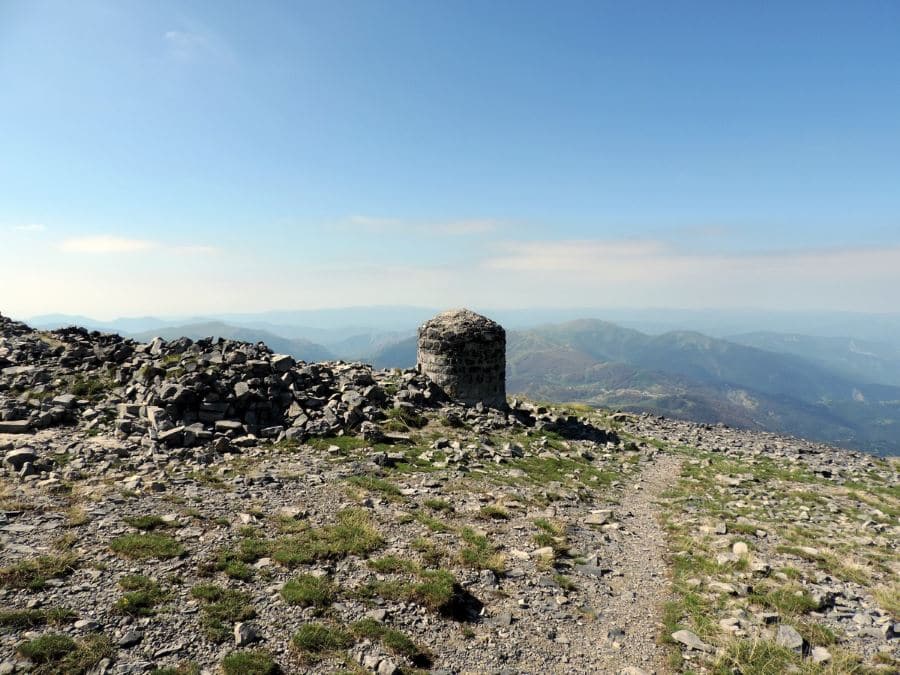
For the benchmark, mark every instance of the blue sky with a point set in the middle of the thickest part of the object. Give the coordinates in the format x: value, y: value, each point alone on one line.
x: 189, y: 157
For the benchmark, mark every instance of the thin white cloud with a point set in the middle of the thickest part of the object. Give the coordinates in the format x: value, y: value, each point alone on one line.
x: 196, y: 45
x: 659, y: 261
x: 30, y: 227
x: 195, y: 250
x: 446, y: 228
x: 106, y: 244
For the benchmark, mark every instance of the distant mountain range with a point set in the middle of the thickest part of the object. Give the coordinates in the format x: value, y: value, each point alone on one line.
x: 693, y: 376
x: 296, y: 347
x: 835, y: 389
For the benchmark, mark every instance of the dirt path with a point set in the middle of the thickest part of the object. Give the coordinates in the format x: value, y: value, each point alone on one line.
x: 636, y: 553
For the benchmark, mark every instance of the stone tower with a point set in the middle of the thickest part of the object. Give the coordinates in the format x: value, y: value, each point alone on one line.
x: 465, y: 354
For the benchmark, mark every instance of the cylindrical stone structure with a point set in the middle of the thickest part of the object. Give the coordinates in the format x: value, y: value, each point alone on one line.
x: 464, y: 353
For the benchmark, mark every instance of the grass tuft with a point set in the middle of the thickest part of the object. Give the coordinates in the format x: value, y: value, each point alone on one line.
x: 221, y: 609
x: 480, y: 553
x: 143, y: 594
x: 145, y: 546
x: 352, y: 534
x: 146, y: 523
x: 252, y: 662
x: 33, y: 574
x: 315, y: 640
x: 307, y: 590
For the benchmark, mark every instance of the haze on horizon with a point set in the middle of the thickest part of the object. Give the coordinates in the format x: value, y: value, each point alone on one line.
x: 181, y: 158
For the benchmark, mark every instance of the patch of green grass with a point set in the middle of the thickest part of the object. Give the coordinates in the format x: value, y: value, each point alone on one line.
x: 564, y: 582
x: 394, y: 640
x: 146, y: 523
x: 439, y: 505
x: 189, y: 668
x: 47, y: 648
x: 552, y: 534
x: 433, y: 589
x: 91, y: 388
x: 145, y: 546
x: 816, y: 634
x: 431, y: 553
x: 89, y: 652
x: 760, y: 657
x: 493, y: 512
x: 377, y: 485
x: 252, y: 662
x: 404, y: 419
x: 315, y: 640
x: 888, y: 598
x: 572, y: 472
x: 791, y: 572
x: 33, y: 574
x: 77, y: 516
x: 352, y: 534
x: 788, y: 600
x: 32, y: 618
x: 392, y: 564
x: 222, y: 607
x: 344, y: 443
x: 307, y: 590
x: 432, y: 523
x: 143, y: 594
x: 235, y: 562
x: 479, y: 553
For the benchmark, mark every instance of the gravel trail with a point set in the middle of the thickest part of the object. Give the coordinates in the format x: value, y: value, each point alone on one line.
x: 640, y: 581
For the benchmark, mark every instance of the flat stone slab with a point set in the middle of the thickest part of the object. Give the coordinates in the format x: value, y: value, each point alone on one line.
x: 15, y: 427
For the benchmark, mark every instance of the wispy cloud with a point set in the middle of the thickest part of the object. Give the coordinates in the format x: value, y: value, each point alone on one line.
x: 196, y: 45
x: 195, y: 250
x: 106, y: 244
x: 30, y: 227
x: 439, y: 228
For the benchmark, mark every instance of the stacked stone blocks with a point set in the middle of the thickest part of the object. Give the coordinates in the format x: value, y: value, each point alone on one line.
x: 465, y: 354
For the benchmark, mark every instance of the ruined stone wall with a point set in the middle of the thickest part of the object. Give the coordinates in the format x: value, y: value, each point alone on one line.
x: 465, y: 354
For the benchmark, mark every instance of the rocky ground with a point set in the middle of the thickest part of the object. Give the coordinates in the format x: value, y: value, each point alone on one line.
x: 206, y: 506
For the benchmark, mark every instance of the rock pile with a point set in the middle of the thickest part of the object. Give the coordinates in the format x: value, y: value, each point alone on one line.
x: 185, y: 393
x: 465, y: 354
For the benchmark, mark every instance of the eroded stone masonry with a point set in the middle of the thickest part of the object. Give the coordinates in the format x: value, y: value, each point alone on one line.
x: 465, y: 354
